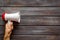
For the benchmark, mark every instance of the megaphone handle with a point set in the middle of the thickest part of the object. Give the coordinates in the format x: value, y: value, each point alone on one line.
x: 9, y: 21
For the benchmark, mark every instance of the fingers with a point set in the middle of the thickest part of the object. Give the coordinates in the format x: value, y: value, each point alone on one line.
x: 9, y: 25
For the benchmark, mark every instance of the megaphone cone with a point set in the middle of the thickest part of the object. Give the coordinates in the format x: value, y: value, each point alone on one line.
x: 11, y: 16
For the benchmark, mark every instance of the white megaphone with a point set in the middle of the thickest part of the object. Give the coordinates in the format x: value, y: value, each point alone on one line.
x: 11, y: 17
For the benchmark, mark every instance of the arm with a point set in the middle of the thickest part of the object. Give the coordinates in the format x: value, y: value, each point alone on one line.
x: 8, y: 30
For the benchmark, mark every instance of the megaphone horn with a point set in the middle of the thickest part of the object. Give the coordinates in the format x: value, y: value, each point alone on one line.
x: 11, y: 16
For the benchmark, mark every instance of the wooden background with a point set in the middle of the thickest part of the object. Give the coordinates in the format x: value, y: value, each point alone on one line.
x: 40, y: 19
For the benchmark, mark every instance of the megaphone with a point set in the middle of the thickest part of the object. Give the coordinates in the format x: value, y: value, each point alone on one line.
x: 11, y: 16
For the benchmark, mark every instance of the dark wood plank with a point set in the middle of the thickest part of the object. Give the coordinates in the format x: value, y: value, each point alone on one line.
x: 29, y: 2
x: 1, y: 37
x: 2, y: 30
x: 36, y: 20
x: 33, y: 10
x: 35, y: 37
x: 34, y: 30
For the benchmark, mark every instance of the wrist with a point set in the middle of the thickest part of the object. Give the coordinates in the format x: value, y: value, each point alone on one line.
x: 7, y: 36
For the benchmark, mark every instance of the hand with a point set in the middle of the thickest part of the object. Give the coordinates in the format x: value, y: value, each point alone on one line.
x: 9, y: 27
x: 8, y: 30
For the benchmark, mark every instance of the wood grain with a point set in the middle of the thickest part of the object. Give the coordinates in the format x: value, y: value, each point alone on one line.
x: 33, y: 30
x: 1, y: 37
x: 36, y: 20
x: 2, y: 30
x: 36, y: 30
x: 29, y: 2
x: 35, y: 37
x: 32, y: 10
